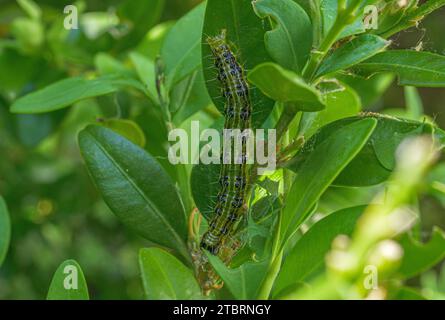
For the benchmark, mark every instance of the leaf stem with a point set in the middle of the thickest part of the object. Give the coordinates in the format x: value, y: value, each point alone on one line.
x: 345, y: 16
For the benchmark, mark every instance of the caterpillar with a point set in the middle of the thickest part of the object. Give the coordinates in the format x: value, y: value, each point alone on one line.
x: 233, y: 178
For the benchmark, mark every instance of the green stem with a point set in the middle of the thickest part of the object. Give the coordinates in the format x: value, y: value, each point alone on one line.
x: 272, y: 274
x: 345, y: 16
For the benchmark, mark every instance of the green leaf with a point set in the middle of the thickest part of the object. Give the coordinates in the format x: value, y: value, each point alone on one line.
x: 188, y: 97
x: 145, y: 70
x: 245, y: 34
x: 139, y: 16
x: 414, y: 68
x: 378, y: 156
x: 107, y: 64
x: 329, y: 11
x: 66, y: 92
x: 166, y: 278
x: 339, y: 104
x: 135, y: 187
x: 370, y: 90
x: 414, y: 103
x: 286, y: 86
x: 205, y: 187
x: 308, y: 254
x: 351, y: 53
x: 181, y: 50
x: 243, y: 282
x: 5, y: 230
x: 406, y: 293
x: 323, y: 165
x: 419, y: 257
x: 128, y: 129
x: 68, y: 283
x: 290, y: 42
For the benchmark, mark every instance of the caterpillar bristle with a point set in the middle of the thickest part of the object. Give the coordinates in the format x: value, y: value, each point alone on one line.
x: 233, y: 179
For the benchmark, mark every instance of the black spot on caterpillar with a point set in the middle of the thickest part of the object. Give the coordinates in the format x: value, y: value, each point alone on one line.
x: 233, y: 176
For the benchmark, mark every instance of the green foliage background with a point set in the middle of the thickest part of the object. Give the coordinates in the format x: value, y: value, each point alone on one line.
x: 55, y: 210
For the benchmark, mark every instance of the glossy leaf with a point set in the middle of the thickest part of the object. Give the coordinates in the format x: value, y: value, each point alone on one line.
x: 243, y: 282
x: 5, y: 230
x: 127, y: 129
x: 68, y: 283
x: 308, y: 254
x: 145, y: 70
x: 414, y: 68
x: 181, y: 50
x: 378, y: 156
x: 188, y: 97
x: 245, y: 34
x: 419, y: 257
x: 351, y: 53
x: 324, y: 163
x: 164, y: 277
x: 290, y: 42
x: 286, y: 86
x: 339, y: 104
x: 135, y: 187
x: 370, y: 90
x: 65, y: 93
x: 205, y: 187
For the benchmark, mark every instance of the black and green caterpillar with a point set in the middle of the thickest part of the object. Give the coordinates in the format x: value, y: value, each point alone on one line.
x: 233, y: 178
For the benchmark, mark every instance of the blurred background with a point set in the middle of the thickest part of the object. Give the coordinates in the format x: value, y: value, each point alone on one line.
x: 56, y: 212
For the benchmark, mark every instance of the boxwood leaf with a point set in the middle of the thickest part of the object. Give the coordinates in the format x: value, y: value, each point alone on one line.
x: 414, y: 68
x: 290, y: 42
x: 135, y: 187
x: 181, y: 50
x: 351, y: 53
x: 126, y: 128
x: 323, y: 165
x: 68, y: 283
x: 65, y: 93
x: 245, y: 33
x: 243, y: 282
x: 419, y: 257
x: 5, y: 230
x: 205, y: 187
x: 286, y: 86
x: 164, y: 277
x: 378, y: 156
x: 339, y: 104
x: 309, y: 252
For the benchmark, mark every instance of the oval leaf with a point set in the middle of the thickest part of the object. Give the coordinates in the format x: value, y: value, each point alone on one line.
x: 353, y: 52
x: 165, y: 278
x: 68, y: 283
x: 378, y: 156
x: 286, y: 86
x: 128, y: 129
x: 244, y: 281
x: 66, y: 92
x: 414, y: 68
x: 323, y: 165
x: 181, y: 51
x: 5, y: 230
x: 290, y: 42
x: 135, y: 187
x: 308, y: 255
